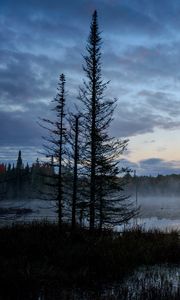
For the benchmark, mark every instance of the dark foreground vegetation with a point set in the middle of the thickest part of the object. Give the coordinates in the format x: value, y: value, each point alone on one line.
x: 37, y: 255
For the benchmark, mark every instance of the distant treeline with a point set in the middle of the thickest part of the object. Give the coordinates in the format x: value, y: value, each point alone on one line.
x: 21, y: 182
x: 161, y: 185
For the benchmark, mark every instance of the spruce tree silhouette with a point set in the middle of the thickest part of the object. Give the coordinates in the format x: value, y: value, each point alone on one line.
x: 101, y: 156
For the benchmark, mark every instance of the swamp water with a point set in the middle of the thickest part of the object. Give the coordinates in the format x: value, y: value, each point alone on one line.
x: 155, y: 213
x: 145, y: 283
x: 155, y: 282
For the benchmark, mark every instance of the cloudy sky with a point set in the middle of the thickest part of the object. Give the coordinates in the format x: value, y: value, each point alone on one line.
x: 141, y: 58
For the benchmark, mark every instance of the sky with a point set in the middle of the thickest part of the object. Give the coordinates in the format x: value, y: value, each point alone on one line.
x: 39, y: 40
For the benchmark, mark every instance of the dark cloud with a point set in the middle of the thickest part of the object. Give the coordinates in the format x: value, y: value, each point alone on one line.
x: 131, y: 120
x: 125, y: 163
x: 27, y: 85
x: 155, y: 166
x: 152, y: 166
x: 163, y: 102
x: 23, y: 77
x: 41, y: 39
x: 20, y: 129
x: 154, y: 65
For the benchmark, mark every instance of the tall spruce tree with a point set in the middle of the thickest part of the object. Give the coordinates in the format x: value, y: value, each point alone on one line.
x: 101, y: 154
x: 56, y: 146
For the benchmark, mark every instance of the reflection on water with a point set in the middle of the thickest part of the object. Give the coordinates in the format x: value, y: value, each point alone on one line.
x: 159, y: 223
x: 155, y: 282
x: 152, y: 223
x: 151, y: 216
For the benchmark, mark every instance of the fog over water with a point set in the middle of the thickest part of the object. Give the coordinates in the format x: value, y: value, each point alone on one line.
x: 162, y: 212
x: 155, y: 211
x: 159, y: 206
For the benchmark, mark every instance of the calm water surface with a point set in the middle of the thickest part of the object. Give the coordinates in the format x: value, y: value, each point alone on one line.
x: 145, y: 283
x: 162, y: 213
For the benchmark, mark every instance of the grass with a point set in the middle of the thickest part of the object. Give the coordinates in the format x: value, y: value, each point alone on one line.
x: 37, y: 253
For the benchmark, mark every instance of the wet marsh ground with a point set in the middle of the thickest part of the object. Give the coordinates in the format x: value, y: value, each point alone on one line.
x: 38, y: 261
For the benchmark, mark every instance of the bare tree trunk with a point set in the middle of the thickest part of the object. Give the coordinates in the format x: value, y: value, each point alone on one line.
x: 75, y: 177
